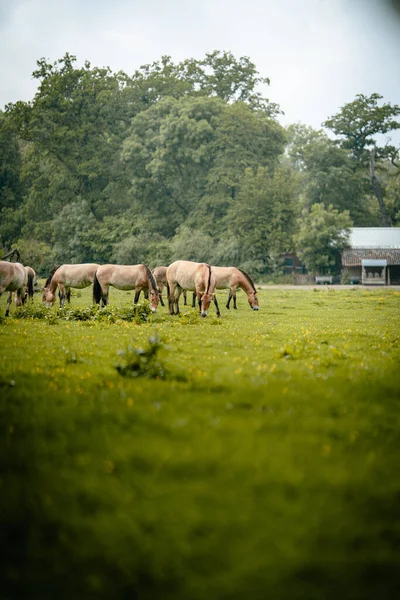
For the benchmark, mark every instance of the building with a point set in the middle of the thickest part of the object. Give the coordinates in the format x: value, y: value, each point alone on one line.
x: 374, y: 256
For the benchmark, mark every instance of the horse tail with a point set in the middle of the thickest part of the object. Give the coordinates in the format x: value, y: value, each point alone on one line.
x: 249, y: 279
x: 30, y: 284
x: 96, y: 290
x: 50, y: 277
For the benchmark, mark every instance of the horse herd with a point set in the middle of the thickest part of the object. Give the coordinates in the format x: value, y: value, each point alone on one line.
x: 181, y: 276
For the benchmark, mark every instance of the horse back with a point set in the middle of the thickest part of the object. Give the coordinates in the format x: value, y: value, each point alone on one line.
x: 191, y: 275
x: 122, y: 276
x: 12, y: 276
x: 226, y: 277
x: 76, y: 275
x: 160, y: 275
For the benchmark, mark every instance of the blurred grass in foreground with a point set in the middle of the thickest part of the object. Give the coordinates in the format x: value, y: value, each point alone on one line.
x: 266, y: 466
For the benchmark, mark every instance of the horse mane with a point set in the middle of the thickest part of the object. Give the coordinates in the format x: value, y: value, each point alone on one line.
x: 50, y: 277
x: 151, y: 279
x: 249, y: 279
x: 209, y: 279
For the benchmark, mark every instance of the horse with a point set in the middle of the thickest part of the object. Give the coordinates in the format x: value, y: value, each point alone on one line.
x: 160, y: 275
x: 125, y: 277
x: 231, y: 278
x: 14, y: 277
x: 65, y: 277
x: 198, y: 277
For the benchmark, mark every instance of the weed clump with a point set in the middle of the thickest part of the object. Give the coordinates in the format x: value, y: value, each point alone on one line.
x: 143, y: 362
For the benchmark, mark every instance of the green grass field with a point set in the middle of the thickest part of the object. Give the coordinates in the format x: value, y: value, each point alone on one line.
x: 261, y: 463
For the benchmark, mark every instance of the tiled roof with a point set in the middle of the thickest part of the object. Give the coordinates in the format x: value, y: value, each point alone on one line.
x: 353, y: 257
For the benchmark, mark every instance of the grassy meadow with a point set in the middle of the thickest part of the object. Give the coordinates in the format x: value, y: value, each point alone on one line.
x: 253, y: 456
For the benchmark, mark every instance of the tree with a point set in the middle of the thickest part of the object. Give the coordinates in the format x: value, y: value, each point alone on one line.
x: 184, y: 154
x: 262, y: 217
x: 10, y: 167
x: 358, y: 124
x: 186, y: 133
x: 218, y: 74
x: 75, y: 124
x: 322, y: 236
x: 328, y: 174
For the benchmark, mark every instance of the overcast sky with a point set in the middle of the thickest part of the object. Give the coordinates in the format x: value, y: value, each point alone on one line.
x: 318, y: 54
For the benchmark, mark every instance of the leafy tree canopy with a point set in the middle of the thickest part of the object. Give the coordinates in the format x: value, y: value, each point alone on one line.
x: 322, y: 236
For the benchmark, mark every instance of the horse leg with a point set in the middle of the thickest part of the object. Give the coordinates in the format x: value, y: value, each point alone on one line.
x: 137, y: 294
x: 194, y: 300
x: 184, y: 298
x: 229, y: 299
x: 9, y: 300
x: 216, y: 306
x: 104, y: 296
x: 177, y: 296
x: 171, y: 298
x: 161, y: 300
x: 199, y: 298
x: 232, y: 294
x: 20, y: 297
x: 61, y: 294
x: 68, y: 295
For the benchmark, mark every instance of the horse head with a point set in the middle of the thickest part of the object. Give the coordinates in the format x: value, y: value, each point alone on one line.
x: 154, y: 298
x: 48, y: 297
x: 253, y: 300
x: 206, y: 300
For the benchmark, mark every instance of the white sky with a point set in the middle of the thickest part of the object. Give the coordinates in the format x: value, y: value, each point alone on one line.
x: 318, y: 53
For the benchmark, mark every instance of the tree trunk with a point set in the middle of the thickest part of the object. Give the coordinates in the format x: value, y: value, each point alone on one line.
x: 385, y: 219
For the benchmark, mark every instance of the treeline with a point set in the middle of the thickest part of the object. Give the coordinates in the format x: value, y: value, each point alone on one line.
x: 188, y: 161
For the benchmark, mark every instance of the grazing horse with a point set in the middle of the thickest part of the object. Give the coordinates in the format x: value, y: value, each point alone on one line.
x: 66, y: 277
x: 160, y: 275
x: 231, y: 278
x: 197, y: 277
x: 125, y: 277
x: 14, y: 277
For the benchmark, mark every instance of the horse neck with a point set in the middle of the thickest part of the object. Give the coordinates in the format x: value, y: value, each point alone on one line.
x: 245, y: 284
x: 52, y: 286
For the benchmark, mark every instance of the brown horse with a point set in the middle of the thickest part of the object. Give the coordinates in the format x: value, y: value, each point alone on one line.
x: 66, y: 277
x: 125, y: 277
x: 14, y: 277
x: 160, y: 275
x: 187, y: 275
x: 231, y: 278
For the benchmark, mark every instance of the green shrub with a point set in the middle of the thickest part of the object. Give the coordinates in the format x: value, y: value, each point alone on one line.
x: 143, y: 362
x: 345, y: 278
